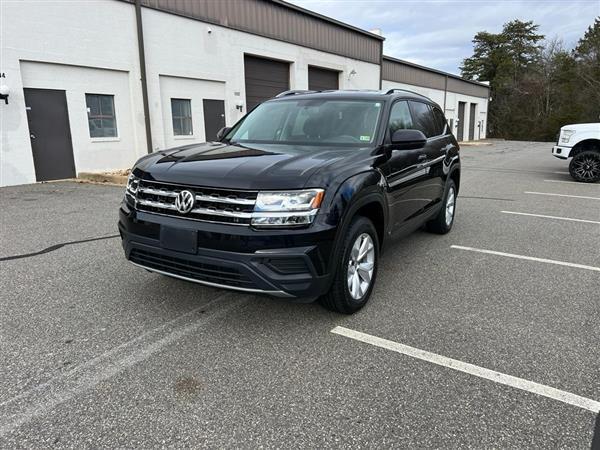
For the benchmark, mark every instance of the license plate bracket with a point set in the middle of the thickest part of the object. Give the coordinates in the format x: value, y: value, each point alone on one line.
x: 178, y: 239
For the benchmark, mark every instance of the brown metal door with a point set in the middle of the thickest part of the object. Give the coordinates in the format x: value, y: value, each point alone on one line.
x: 472, y: 121
x: 320, y: 79
x: 50, y: 134
x: 461, y: 121
x: 265, y: 78
x: 214, y: 118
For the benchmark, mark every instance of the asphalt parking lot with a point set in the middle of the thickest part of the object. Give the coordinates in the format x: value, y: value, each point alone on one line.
x: 95, y: 352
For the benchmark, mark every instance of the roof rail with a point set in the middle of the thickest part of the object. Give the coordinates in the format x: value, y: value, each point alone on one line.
x: 295, y: 92
x: 391, y: 91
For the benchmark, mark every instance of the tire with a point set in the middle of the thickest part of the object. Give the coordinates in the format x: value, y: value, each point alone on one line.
x: 341, y: 297
x: 585, y: 167
x: 443, y: 221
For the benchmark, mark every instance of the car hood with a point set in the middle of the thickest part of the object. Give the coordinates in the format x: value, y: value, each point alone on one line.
x: 235, y: 166
x: 582, y: 127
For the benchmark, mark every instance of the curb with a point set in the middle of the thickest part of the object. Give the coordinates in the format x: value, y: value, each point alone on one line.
x: 474, y: 144
x: 102, y: 178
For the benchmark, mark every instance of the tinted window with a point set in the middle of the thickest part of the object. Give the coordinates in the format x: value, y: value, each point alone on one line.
x: 440, y: 122
x: 400, y: 118
x: 423, y: 119
x: 310, y: 122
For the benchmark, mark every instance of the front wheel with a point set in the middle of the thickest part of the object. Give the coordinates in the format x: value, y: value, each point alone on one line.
x: 585, y: 167
x: 356, y: 269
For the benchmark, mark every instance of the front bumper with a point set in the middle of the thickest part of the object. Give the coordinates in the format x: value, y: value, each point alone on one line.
x: 283, y: 263
x: 560, y: 151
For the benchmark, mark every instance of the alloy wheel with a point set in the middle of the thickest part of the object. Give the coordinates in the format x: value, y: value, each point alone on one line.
x: 450, y: 204
x: 360, y: 266
x: 587, y: 168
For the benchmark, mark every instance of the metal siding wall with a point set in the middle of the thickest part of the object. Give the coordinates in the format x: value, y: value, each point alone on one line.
x: 462, y: 87
x: 278, y: 22
x: 402, y: 73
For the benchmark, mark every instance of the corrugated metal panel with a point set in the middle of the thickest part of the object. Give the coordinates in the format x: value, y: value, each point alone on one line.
x: 279, y: 21
x: 464, y: 87
x: 404, y: 72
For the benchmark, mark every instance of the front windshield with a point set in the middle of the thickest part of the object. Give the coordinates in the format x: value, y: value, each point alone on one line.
x: 310, y: 122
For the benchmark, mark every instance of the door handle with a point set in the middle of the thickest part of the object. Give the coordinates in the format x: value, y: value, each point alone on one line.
x: 32, y: 136
x: 422, y: 158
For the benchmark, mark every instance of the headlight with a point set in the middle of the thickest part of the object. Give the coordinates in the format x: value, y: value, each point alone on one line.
x: 283, y: 209
x: 566, y: 135
x: 132, y: 185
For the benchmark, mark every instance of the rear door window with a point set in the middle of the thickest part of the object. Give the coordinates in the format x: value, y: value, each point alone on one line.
x: 440, y: 122
x: 423, y: 119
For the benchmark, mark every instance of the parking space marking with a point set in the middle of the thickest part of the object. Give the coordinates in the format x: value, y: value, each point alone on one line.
x: 562, y: 195
x: 550, y: 217
x: 572, y: 182
x: 528, y: 258
x: 471, y: 369
x: 43, y: 398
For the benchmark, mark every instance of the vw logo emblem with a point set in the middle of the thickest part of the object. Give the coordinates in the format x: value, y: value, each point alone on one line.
x: 184, y: 202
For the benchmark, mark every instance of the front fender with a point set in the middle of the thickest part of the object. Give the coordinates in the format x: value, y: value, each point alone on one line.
x: 354, y: 193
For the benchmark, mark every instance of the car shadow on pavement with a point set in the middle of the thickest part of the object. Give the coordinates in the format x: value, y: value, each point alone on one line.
x: 596, y: 437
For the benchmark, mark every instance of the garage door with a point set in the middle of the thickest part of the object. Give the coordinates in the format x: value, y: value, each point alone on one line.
x: 320, y: 79
x: 265, y: 79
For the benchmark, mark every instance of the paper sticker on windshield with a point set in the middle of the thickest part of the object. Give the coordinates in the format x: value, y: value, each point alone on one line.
x: 365, y: 138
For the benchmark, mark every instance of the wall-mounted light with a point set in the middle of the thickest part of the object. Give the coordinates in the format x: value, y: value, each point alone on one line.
x: 351, y: 74
x: 4, y: 93
x: 239, y: 105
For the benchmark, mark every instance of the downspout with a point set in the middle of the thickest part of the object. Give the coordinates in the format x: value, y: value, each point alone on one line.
x: 445, y: 92
x: 381, y: 67
x: 140, y: 36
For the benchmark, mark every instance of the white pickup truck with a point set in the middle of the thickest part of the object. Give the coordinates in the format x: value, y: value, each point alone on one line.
x: 582, y: 143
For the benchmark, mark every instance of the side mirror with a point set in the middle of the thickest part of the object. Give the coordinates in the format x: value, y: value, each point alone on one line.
x: 222, y: 133
x: 408, y: 139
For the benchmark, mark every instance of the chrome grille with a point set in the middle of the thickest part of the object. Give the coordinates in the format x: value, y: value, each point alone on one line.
x: 213, y: 205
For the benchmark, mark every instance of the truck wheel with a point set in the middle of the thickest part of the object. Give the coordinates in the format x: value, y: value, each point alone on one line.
x: 356, y: 269
x: 443, y: 221
x: 585, y: 167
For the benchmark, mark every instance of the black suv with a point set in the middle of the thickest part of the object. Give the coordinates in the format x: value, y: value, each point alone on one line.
x: 297, y: 199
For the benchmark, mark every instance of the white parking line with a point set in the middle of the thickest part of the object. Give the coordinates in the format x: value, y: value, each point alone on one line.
x: 550, y: 217
x: 573, y: 182
x: 528, y: 258
x: 471, y: 369
x: 562, y: 195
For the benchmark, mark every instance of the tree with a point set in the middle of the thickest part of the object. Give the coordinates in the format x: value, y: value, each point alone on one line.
x: 587, y: 57
x: 537, y: 86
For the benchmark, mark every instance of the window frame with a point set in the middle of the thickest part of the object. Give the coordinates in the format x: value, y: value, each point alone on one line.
x: 182, y: 119
x: 101, y: 116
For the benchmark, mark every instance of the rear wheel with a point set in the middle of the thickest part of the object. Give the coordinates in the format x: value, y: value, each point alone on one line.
x: 356, y: 269
x: 443, y: 221
x: 585, y: 167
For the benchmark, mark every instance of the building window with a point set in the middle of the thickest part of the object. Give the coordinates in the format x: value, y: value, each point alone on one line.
x: 101, y: 115
x: 181, y: 111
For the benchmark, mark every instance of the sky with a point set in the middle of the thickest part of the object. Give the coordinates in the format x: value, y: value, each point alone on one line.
x: 438, y: 33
